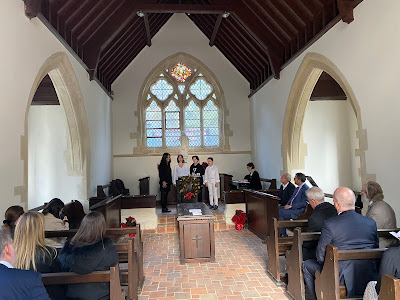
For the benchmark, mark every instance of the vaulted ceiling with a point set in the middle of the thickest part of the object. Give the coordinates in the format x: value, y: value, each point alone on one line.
x: 259, y: 37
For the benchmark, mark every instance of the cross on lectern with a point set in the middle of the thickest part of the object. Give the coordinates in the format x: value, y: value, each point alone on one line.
x: 197, y: 238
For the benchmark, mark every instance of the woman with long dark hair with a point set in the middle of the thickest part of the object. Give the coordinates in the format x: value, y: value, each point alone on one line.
x: 164, y: 172
x: 88, y: 251
x: 11, y: 216
x: 53, y: 220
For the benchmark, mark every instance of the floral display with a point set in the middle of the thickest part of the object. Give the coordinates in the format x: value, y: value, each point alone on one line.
x: 190, y: 186
x: 239, y: 219
x: 130, y: 222
x: 181, y: 72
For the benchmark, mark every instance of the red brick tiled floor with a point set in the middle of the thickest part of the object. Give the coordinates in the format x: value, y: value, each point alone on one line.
x: 238, y: 273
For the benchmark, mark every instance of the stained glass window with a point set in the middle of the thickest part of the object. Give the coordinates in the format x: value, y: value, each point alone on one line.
x: 181, y: 72
x: 172, y: 125
x: 201, y: 89
x: 210, y: 125
x: 161, y: 89
x: 181, y: 88
x: 192, y: 124
x: 154, y: 125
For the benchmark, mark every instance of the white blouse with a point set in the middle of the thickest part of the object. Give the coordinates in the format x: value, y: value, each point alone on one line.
x: 211, y: 174
x: 179, y: 172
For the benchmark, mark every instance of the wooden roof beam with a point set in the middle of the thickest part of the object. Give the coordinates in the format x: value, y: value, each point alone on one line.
x: 215, y: 31
x: 181, y: 8
x: 32, y: 8
x: 346, y: 8
x: 147, y: 28
x: 275, y: 54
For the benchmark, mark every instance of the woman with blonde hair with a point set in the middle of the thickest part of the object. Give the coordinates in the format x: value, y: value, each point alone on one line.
x: 32, y: 252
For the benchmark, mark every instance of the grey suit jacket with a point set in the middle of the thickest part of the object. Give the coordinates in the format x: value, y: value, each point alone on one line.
x: 385, y: 218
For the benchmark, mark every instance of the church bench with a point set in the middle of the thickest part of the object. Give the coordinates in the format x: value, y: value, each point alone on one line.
x: 294, y: 260
x: 119, y: 235
x: 279, y: 245
x: 272, y: 183
x: 111, y: 276
x: 327, y: 284
x: 390, y: 288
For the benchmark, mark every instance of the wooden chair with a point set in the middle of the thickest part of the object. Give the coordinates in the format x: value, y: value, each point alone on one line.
x: 390, y: 288
x: 111, y: 276
x: 279, y: 245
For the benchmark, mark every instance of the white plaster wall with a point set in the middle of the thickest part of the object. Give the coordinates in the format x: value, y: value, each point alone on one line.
x: 328, y: 136
x: 26, y: 44
x: 366, y: 52
x: 47, y: 149
x: 179, y: 34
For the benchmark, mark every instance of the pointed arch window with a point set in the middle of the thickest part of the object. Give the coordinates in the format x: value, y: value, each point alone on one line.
x: 183, y: 98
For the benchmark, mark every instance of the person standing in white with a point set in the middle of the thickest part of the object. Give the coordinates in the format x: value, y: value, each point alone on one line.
x: 180, y: 169
x: 211, y: 180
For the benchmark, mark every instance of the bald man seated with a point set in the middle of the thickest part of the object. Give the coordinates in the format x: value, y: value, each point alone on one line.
x: 348, y: 230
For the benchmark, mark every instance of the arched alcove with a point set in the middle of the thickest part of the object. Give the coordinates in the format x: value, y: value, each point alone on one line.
x: 66, y: 85
x: 294, y: 149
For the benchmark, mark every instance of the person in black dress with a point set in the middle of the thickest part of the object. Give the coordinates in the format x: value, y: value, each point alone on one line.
x: 253, y: 177
x: 196, y: 169
x: 164, y: 172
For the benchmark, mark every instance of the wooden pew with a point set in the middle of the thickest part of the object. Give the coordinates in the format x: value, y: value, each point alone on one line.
x: 119, y: 237
x: 390, y: 288
x: 279, y: 245
x: 294, y: 260
x: 272, y: 183
x: 111, y: 276
x: 327, y: 284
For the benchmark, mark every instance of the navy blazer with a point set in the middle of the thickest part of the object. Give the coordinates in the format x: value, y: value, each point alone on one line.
x: 21, y: 285
x: 286, y: 194
x: 300, y: 201
x: 347, y: 231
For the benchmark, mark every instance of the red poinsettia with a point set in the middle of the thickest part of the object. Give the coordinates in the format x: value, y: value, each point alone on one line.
x: 239, y: 219
x: 130, y: 222
x: 189, y: 195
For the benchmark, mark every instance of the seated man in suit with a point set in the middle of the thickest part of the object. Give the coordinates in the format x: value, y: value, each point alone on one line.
x: 17, y: 284
x: 322, y: 211
x: 380, y: 211
x: 296, y: 204
x: 348, y: 230
x: 286, y: 189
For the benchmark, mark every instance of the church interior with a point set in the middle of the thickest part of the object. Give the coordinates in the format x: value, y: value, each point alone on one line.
x: 99, y: 90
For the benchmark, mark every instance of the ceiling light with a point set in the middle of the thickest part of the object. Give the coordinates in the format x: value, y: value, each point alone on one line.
x: 140, y: 14
x: 225, y: 15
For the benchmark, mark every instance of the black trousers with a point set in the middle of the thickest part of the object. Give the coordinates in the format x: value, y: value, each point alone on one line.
x: 164, y: 195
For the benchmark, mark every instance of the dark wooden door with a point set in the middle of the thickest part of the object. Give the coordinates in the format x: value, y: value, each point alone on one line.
x: 196, y: 237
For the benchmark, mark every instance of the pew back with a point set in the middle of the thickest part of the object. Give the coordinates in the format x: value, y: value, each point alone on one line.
x: 111, y: 276
x: 390, y: 288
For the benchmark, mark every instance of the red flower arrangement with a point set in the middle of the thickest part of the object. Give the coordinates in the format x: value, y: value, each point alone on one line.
x: 239, y: 219
x: 189, y: 195
x: 204, y: 164
x: 130, y: 222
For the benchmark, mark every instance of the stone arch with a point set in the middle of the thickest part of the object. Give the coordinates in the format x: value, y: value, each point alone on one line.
x: 217, y: 87
x: 66, y: 84
x: 293, y: 148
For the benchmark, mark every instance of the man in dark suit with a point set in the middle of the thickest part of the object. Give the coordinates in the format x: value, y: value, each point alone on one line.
x: 286, y: 189
x: 17, y: 284
x: 297, y: 203
x: 348, y: 230
x: 322, y: 211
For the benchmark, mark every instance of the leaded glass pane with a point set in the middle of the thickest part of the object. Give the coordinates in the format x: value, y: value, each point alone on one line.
x: 201, y: 89
x: 214, y: 96
x: 161, y: 89
x: 162, y: 75
x: 181, y: 88
x: 153, y: 126
x: 181, y: 72
x: 192, y: 124
x: 176, y: 96
x: 148, y: 96
x: 172, y: 125
x: 187, y: 96
x: 210, y: 125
